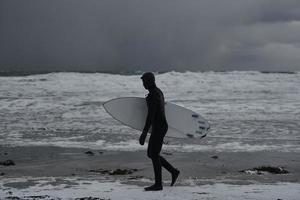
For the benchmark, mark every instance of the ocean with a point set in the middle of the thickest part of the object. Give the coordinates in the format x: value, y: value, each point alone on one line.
x: 248, y: 111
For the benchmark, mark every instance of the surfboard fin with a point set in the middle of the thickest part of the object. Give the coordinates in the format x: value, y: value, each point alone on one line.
x: 190, y: 135
x: 195, y: 115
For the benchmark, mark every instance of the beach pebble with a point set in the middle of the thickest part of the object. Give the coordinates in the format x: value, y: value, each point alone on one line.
x: 215, y: 157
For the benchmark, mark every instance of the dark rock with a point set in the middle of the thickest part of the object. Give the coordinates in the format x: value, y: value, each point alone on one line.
x: 200, y: 193
x: 272, y: 170
x: 100, y: 152
x: 123, y: 171
x: 119, y: 172
x: 167, y: 153
x: 13, y: 198
x: 5, y: 153
x: 7, y: 163
x: 215, y: 157
x: 91, y: 198
x: 115, y: 172
x: 89, y: 153
x: 35, y: 197
x: 101, y: 171
x: 135, y: 177
x: 2, y: 174
x: 269, y: 169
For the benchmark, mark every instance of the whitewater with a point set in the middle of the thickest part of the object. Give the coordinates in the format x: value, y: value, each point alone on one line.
x: 248, y: 111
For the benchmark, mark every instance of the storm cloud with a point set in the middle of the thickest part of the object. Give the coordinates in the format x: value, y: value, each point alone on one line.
x: 120, y: 35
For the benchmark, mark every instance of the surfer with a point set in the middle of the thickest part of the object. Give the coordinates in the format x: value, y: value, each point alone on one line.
x: 157, y: 120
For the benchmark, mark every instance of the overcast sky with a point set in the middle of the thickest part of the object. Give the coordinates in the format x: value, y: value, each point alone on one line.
x: 120, y: 35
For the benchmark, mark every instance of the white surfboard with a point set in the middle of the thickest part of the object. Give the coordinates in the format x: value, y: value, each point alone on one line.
x: 183, y: 123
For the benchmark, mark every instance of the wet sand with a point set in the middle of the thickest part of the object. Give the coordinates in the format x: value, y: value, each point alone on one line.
x: 200, y: 168
x: 56, y: 161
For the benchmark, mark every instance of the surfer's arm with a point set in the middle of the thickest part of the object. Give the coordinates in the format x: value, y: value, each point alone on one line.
x: 151, y: 103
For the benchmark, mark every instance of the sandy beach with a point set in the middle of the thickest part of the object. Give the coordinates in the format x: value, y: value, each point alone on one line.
x: 82, y: 81
x: 67, y: 168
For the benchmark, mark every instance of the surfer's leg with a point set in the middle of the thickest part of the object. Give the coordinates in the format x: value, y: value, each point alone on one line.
x: 174, y: 172
x: 153, y: 152
x: 157, y: 169
x: 166, y: 164
x: 157, y: 173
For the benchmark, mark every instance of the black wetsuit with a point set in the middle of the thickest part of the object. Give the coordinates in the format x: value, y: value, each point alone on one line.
x: 156, y: 118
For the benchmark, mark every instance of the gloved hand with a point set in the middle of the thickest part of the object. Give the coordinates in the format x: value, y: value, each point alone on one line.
x: 142, y: 138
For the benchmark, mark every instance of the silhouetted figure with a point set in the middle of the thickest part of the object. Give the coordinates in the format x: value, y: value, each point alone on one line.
x: 156, y: 119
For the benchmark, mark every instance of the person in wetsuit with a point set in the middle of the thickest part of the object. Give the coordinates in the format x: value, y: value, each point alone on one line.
x: 156, y: 119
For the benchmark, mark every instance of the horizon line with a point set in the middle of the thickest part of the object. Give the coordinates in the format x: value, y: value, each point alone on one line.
x: 129, y: 72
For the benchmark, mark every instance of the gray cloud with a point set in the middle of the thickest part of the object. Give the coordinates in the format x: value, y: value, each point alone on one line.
x: 149, y: 35
x: 276, y: 11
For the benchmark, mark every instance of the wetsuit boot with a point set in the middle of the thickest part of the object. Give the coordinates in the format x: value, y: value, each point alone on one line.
x: 157, y: 173
x: 175, y: 175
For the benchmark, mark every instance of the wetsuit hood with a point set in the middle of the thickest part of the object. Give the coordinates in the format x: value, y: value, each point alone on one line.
x: 148, y: 80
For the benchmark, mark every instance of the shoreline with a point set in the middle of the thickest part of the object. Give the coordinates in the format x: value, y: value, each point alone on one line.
x: 91, y: 189
x: 49, y: 161
x: 20, y: 73
x: 47, y: 172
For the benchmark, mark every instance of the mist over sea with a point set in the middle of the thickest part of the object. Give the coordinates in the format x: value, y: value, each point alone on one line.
x: 248, y: 111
